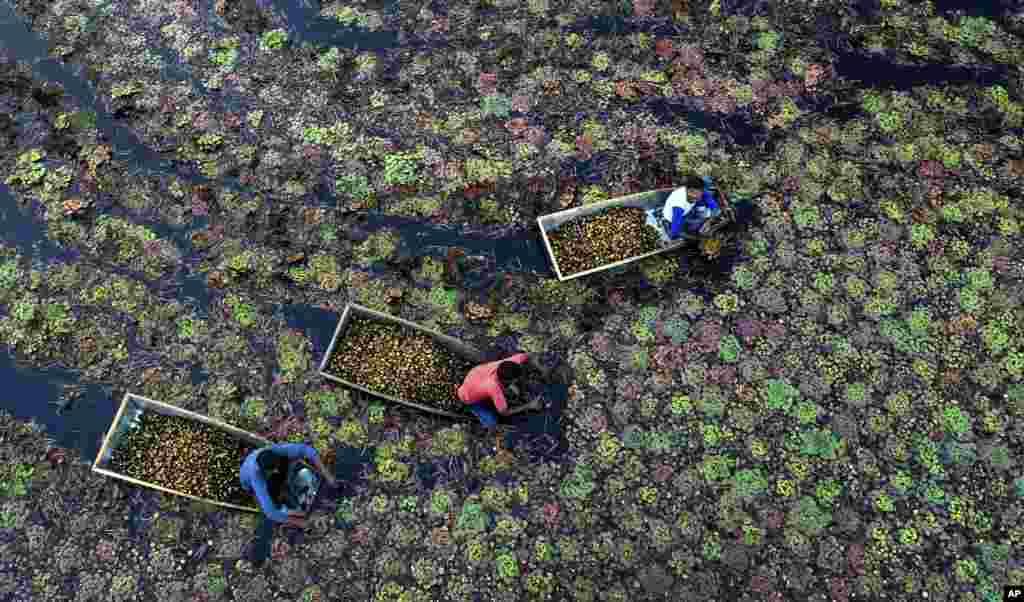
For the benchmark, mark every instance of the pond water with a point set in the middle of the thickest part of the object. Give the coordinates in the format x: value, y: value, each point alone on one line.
x: 509, y: 249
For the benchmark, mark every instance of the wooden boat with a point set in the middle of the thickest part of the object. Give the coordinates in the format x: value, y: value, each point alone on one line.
x: 652, y: 199
x: 133, y: 406
x: 454, y: 345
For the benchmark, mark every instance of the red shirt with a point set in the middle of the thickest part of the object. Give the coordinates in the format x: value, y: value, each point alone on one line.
x: 482, y: 383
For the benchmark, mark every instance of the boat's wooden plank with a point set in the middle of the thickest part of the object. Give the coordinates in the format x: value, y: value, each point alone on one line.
x: 139, y: 482
x: 110, y: 432
x: 467, y: 351
x: 642, y: 200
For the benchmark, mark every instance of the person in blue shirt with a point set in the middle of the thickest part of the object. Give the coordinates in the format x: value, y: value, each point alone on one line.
x: 274, y: 475
x: 689, y: 207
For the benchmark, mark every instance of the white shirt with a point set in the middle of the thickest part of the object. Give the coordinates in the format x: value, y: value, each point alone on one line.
x: 676, y: 199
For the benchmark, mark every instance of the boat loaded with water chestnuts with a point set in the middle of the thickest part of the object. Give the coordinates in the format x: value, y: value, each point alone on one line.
x: 163, y: 447
x: 609, y: 234
x: 402, y: 362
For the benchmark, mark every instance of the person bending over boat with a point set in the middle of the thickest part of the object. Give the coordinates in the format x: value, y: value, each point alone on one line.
x: 690, y: 207
x: 280, y: 482
x: 485, y: 384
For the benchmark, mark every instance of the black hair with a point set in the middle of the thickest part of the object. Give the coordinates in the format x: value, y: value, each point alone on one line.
x: 509, y: 371
x: 692, y: 181
x: 275, y: 472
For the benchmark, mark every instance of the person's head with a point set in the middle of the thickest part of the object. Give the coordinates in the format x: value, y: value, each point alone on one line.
x: 509, y: 372
x: 274, y: 467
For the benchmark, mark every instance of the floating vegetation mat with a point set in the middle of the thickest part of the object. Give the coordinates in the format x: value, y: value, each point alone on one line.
x: 184, y: 456
x: 593, y: 241
x: 392, y: 360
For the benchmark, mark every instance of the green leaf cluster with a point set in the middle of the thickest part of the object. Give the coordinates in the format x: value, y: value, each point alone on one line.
x: 580, y: 484
x: 15, y: 480
x: 779, y: 394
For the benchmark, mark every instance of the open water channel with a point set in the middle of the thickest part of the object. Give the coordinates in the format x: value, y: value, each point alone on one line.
x: 41, y: 394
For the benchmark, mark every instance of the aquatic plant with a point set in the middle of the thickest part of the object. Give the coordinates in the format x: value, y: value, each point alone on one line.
x: 472, y: 518
x: 254, y: 408
x: 15, y: 479
x: 729, y: 349
x: 506, y: 565
x: 579, y: 484
x: 241, y: 312
x: 352, y: 433
x: 274, y: 39
x: 779, y: 394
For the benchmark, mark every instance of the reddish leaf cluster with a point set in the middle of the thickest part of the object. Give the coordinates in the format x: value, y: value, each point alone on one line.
x: 931, y: 169
x: 643, y: 139
x: 643, y: 8
x: 748, y: 328
x: 552, y: 515
x: 439, y: 25
x: 722, y: 375
x: 709, y: 333
x: 855, y: 557
x: 285, y: 427
x: 773, y: 519
x: 598, y: 422
x: 839, y: 588
x: 600, y: 343
x: 233, y: 121
x: 663, y: 473
x: 815, y: 74
x: 516, y: 126
x: 487, y: 83
x: 536, y: 136
x: 670, y: 356
x: 664, y: 48
x: 584, y: 147
x: 279, y: 549
x: 760, y: 584
x: 521, y: 103
x: 361, y: 535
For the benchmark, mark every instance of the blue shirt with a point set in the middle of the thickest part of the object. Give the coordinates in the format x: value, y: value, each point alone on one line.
x: 706, y: 207
x: 252, y: 477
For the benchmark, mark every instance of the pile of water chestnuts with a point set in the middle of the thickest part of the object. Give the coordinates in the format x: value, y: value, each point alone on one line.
x: 593, y: 241
x: 396, y: 361
x: 183, y: 455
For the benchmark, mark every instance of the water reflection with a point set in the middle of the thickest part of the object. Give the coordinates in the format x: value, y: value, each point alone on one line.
x: 35, y: 394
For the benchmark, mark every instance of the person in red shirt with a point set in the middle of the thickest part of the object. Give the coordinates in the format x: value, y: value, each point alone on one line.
x: 485, y: 386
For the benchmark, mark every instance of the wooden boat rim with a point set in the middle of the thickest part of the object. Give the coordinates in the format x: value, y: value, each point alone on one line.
x: 582, y: 211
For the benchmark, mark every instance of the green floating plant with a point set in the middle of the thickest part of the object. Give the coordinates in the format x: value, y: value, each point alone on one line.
x: 809, y: 517
x: 580, y: 484
x: 16, y: 481
x: 507, y: 565
x: 497, y: 105
x: 472, y: 518
x: 729, y: 349
x: 779, y: 394
x: 749, y: 483
x: 819, y: 442
x: 400, y: 169
x: 828, y: 491
x: 274, y: 39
